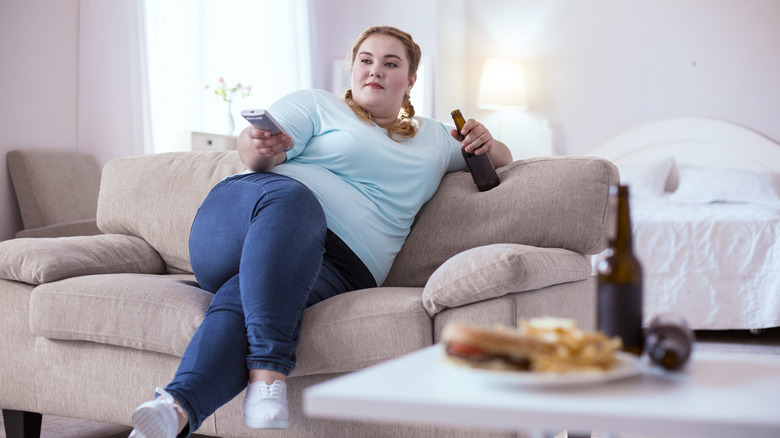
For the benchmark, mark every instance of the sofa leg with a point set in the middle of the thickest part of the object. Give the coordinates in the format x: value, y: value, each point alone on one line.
x: 22, y: 424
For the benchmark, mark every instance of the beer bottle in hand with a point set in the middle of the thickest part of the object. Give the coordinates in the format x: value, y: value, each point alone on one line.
x: 619, y: 311
x: 669, y: 341
x: 481, y: 167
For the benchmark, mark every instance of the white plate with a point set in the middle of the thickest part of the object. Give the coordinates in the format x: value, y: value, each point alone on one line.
x: 627, y: 366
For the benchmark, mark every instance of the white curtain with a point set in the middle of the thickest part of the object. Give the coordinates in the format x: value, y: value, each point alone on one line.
x: 192, y: 43
x: 143, y: 65
x: 113, y: 117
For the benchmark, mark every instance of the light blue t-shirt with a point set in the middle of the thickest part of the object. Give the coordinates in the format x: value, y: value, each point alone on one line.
x: 370, y: 186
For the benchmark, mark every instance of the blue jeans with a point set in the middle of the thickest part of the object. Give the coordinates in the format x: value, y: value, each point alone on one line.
x: 260, y: 243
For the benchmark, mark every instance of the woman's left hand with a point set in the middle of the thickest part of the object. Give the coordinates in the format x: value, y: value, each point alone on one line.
x: 479, y: 140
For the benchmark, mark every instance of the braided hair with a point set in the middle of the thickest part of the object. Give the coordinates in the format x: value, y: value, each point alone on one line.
x: 405, y: 127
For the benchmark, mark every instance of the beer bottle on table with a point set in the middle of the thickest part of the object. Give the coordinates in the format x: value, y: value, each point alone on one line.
x: 669, y: 341
x: 619, y: 311
x: 481, y: 167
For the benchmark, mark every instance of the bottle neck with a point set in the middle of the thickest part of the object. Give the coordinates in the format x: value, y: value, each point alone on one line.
x: 623, y: 239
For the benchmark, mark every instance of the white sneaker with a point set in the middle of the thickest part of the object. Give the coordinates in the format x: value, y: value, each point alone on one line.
x: 156, y: 418
x: 265, y: 407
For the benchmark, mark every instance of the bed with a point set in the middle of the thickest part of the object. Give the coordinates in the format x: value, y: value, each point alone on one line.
x: 705, y: 208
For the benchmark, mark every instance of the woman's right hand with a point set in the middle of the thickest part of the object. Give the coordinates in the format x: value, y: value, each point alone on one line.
x: 260, y: 151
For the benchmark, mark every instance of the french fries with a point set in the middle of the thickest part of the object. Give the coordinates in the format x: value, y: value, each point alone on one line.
x: 575, y: 349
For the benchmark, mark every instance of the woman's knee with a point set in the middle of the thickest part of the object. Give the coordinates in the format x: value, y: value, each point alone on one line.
x: 300, y: 194
x: 297, y: 204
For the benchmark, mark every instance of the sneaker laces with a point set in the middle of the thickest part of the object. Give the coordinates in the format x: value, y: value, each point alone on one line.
x: 271, y: 392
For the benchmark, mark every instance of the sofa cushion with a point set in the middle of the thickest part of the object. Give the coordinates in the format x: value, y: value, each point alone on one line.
x: 361, y: 328
x: 553, y: 202
x: 160, y: 313
x: 41, y: 260
x: 157, y: 313
x: 495, y: 270
x: 155, y: 197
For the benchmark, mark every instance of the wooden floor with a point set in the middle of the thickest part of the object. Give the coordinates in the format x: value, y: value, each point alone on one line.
x: 739, y: 341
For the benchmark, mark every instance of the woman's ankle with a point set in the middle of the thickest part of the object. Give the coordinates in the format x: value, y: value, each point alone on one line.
x: 267, y: 376
x: 181, y: 415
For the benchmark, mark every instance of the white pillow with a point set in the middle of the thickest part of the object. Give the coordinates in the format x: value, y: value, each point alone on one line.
x: 701, y: 185
x: 646, y: 180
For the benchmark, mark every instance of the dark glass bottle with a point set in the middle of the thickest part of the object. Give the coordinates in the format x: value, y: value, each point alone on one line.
x: 669, y: 341
x: 481, y: 167
x: 619, y: 310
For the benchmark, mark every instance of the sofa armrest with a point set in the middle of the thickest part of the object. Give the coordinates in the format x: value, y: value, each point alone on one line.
x: 493, y: 271
x: 44, y: 260
x: 547, y: 202
x: 87, y: 227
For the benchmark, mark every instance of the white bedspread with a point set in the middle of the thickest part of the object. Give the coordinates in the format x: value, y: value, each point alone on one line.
x: 717, y: 264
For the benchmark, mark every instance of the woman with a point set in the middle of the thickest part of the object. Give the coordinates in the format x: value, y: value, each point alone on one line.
x: 321, y: 211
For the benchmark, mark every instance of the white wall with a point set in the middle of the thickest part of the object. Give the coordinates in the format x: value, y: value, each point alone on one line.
x: 594, y: 68
x: 38, y: 86
x: 598, y: 67
x: 338, y: 23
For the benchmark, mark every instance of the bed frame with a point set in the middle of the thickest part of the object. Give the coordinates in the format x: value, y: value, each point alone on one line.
x: 702, y: 142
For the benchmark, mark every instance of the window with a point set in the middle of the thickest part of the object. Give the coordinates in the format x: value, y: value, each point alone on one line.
x: 190, y: 43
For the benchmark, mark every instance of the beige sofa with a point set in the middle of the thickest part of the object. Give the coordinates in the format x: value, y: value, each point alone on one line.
x: 57, y: 192
x: 92, y: 324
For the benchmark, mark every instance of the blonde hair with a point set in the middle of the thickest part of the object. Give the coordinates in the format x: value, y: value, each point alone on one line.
x: 405, y: 127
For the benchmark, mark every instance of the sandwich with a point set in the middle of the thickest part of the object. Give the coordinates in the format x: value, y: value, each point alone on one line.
x: 493, y: 348
x: 537, y: 345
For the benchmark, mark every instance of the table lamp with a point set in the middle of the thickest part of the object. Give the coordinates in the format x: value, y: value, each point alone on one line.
x: 502, y: 88
x: 502, y: 85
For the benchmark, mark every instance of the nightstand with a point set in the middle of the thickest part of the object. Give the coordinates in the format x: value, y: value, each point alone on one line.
x: 206, y: 141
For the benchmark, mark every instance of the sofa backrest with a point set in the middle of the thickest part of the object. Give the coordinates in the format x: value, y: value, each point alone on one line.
x: 155, y: 197
x: 550, y: 202
x: 558, y: 202
x: 54, y: 187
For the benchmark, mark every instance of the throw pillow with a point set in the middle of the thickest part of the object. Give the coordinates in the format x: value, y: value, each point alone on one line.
x: 493, y: 271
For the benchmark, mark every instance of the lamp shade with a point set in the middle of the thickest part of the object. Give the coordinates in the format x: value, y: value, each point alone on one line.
x: 502, y: 85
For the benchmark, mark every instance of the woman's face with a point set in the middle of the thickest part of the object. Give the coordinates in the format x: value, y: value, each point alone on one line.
x: 380, y: 76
